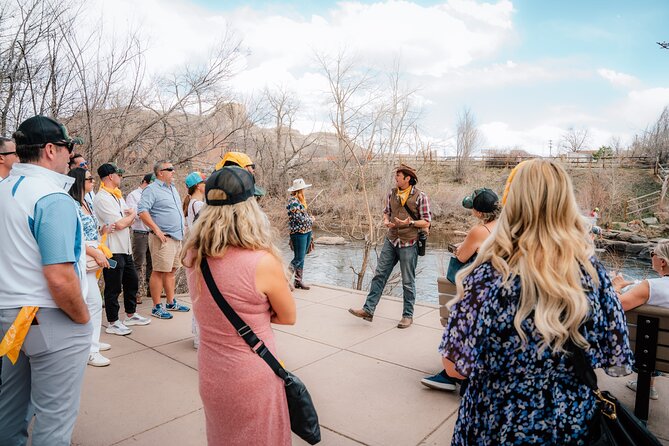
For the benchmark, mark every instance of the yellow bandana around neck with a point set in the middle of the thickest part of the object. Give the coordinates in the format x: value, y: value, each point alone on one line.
x: 115, y: 192
x: 403, y: 195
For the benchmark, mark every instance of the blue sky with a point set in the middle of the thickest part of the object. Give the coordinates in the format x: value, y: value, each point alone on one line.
x: 528, y: 69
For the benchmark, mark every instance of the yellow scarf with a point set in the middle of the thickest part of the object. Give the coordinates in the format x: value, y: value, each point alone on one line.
x: 403, y: 195
x: 115, y: 192
x: 13, y: 340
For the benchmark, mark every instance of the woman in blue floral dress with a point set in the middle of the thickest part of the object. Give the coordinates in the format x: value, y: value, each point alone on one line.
x: 534, y: 288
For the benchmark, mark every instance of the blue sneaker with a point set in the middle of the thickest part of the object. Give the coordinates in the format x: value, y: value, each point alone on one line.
x: 440, y: 381
x: 176, y: 306
x: 159, y: 312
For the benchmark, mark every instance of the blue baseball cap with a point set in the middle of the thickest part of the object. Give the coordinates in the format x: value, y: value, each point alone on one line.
x: 194, y: 178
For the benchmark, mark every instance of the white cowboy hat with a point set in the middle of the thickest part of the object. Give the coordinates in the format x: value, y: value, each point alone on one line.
x: 297, y: 185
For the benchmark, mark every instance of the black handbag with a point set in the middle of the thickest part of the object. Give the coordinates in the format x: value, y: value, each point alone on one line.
x: 303, y: 416
x: 613, y: 424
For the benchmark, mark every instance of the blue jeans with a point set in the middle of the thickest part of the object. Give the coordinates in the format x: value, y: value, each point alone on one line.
x: 300, y: 246
x: 390, y: 255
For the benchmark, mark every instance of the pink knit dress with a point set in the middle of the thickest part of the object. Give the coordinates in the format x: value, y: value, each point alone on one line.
x: 244, y: 401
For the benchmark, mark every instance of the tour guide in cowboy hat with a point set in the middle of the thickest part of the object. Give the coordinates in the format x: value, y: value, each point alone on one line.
x: 407, y: 209
x: 244, y: 161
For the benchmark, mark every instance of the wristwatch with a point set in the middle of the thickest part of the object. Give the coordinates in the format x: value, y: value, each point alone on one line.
x: 411, y: 223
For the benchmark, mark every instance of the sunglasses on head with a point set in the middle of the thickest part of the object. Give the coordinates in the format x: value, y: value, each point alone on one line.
x: 167, y: 169
x: 652, y: 253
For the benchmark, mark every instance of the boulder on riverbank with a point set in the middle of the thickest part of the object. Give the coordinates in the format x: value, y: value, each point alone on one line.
x: 330, y: 241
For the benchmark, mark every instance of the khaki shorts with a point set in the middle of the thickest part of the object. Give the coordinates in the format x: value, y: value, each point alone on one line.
x: 165, y: 257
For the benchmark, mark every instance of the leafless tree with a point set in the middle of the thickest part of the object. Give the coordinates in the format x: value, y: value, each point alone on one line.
x: 468, y: 140
x: 575, y: 139
x: 654, y: 140
x: 281, y: 152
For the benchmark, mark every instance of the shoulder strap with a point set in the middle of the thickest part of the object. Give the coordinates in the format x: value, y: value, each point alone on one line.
x: 582, y: 367
x: 242, y: 328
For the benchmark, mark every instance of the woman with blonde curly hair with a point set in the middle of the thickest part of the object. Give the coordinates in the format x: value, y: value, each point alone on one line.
x: 244, y: 401
x: 533, y: 292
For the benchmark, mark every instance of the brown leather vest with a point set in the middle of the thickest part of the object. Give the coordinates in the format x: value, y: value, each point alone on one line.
x: 408, y: 233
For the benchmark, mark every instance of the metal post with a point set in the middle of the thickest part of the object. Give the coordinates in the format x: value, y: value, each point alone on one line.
x: 645, y: 354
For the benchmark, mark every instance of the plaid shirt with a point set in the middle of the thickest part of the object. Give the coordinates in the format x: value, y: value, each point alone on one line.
x: 424, y: 213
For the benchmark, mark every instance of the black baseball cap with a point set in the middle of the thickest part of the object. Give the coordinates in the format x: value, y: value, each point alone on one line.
x: 148, y: 178
x: 237, y: 184
x: 482, y: 200
x: 42, y: 130
x: 109, y: 168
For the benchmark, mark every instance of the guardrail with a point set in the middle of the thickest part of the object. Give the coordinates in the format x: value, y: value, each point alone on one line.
x: 636, y: 206
x: 508, y: 161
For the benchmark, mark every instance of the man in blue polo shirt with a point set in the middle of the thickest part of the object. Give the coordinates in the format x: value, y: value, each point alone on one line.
x: 160, y: 210
x: 43, y: 266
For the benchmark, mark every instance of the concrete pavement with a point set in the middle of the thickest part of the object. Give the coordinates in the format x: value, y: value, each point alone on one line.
x: 364, y: 378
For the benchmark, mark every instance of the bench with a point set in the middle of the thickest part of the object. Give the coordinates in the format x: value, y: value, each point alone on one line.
x: 649, y: 338
x: 446, y: 293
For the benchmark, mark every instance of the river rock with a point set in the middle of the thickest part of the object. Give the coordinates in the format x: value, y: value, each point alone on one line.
x: 330, y: 241
x: 650, y: 221
x: 631, y: 237
x: 636, y: 249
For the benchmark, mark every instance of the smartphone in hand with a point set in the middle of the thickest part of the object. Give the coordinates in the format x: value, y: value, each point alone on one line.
x: 112, y: 263
x: 452, y: 247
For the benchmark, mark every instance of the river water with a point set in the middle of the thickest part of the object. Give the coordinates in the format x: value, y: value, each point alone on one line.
x: 332, y: 265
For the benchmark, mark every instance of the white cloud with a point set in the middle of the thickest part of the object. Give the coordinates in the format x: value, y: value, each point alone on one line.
x: 618, y: 79
x: 641, y: 107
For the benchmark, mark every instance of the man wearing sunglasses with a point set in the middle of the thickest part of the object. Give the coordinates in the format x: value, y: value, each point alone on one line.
x: 8, y: 156
x: 160, y: 210
x: 43, y: 283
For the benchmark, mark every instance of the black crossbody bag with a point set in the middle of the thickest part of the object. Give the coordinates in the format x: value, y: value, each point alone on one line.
x: 422, y: 235
x: 303, y: 416
x: 613, y: 424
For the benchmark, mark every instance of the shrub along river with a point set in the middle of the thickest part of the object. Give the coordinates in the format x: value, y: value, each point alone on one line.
x: 331, y: 265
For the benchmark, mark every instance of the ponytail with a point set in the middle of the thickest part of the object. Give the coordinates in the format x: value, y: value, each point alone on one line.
x: 191, y: 191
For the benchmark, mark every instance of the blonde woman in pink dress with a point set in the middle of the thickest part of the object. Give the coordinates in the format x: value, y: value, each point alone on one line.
x: 244, y: 401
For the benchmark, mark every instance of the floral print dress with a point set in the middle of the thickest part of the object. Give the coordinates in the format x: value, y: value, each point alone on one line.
x: 516, y: 395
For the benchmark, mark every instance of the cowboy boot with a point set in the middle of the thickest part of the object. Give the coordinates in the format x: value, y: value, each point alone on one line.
x: 298, y: 280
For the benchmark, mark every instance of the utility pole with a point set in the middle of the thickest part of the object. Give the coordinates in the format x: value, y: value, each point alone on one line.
x: 550, y: 148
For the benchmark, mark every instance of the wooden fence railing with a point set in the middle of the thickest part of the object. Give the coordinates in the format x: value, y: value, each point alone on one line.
x: 511, y: 161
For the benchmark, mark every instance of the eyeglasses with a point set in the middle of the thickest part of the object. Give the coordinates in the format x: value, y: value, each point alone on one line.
x: 91, y: 179
x: 8, y: 153
x: 167, y: 169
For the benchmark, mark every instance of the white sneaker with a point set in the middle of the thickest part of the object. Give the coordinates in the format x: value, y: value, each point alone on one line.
x: 137, y: 319
x: 97, y: 360
x: 104, y: 347
x: 654, y: 394
x: 118, y: 328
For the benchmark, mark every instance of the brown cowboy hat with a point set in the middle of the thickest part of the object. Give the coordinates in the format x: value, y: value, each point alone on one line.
x: 407, y: 170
